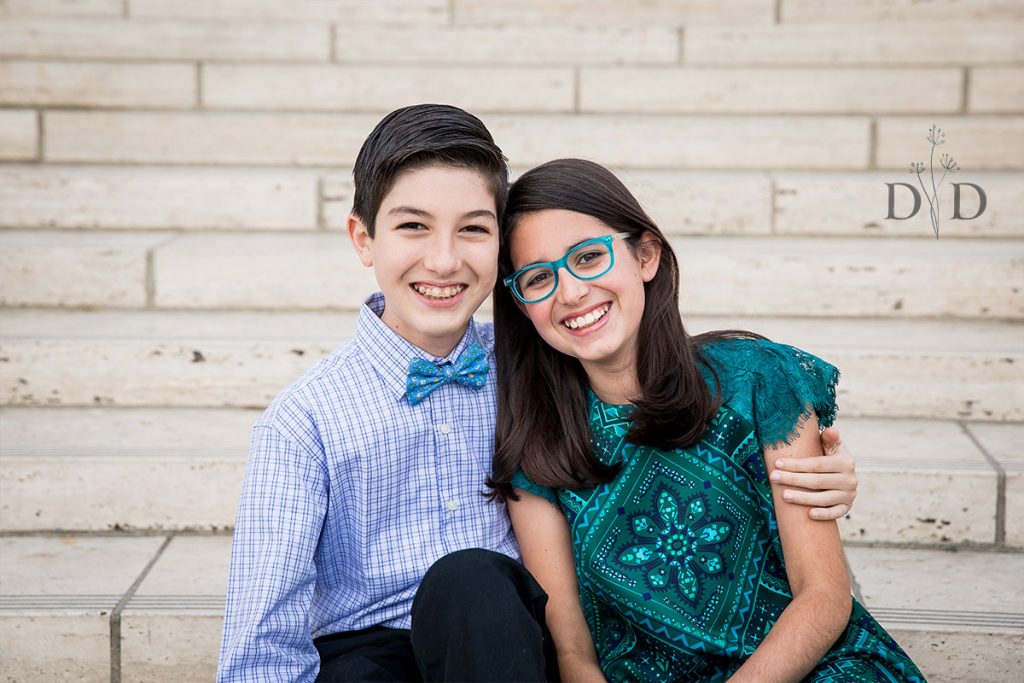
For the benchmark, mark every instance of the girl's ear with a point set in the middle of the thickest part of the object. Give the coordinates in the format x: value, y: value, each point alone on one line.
x: 648, y: 252
x: 361, y: 240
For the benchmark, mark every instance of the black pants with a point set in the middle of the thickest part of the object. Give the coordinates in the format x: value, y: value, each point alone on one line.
x: 477, y: 616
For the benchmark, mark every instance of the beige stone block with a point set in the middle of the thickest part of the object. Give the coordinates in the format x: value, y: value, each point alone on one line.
x: 977, y: 655
x: 493, y: 45
x: 167, y: 359
x: 114, y: 372
x: 170, y: 645
x: 99, y: 8
x: 901, y: 10
x: 163, y: 359
x: 261, y: 272
x: 920, y: 481
x: 164, y: 39
x: 977, y: 143
x: 851, y: 278
x: 58, y: 594
x: 359, y: 88
x: 775, y: 91
x: 97, y: 84
x: 856, y: 204
x: 703, y: 203
x: 981, y: 386
x: 996, y: 90
x: 336, y: 193
x: 61, y: 469
x: 1003, y: 443
x: 156, y: 198
x: 74, y: 269
x: 416, y: 12
x: 681, y: 142
x: 19, y: 135
x: 956, y: 370
x: 206, y: 138
x: 170, y: 630
x: 952, y: 611
x: 113, y: 491
x: 879, y: 43
x: 44, y: 642
x: 611, y: 12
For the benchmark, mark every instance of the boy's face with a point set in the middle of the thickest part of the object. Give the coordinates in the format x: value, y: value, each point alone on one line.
x: 434, y: 253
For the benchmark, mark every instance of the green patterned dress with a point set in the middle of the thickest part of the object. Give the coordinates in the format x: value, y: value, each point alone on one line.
x: 679, y: 559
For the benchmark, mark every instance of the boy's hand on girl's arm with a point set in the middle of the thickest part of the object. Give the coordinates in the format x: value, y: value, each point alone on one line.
x: 830, y: 479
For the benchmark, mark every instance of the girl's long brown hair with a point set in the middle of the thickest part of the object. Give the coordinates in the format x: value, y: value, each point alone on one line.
x: 542, y: 424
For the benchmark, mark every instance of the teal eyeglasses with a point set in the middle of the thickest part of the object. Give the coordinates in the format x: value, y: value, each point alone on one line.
x: 588, y: 260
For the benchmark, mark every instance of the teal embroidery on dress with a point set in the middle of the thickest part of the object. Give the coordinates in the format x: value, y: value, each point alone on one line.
x: 679, y: 561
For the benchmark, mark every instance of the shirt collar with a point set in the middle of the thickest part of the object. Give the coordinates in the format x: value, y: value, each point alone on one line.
x: 389, y: 353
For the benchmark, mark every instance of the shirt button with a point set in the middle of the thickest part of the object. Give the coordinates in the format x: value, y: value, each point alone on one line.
x: 445, y: 428
x: 453, y: 505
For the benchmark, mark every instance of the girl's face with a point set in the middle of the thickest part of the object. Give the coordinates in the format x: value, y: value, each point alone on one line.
x: 596, y: 321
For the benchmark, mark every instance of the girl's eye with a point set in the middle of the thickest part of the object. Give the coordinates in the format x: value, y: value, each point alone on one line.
x: 538, y: 278
x: 588, y: 257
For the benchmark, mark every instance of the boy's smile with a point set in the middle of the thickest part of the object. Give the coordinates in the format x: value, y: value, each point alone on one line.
x: 434, y: 253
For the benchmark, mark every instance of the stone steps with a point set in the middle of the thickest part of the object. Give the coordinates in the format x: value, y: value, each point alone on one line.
x: 926, y: 482
x: 825, y: 204
x: 891, y: 368
x: 151, y: 607
x: 660, y: 141
x: 767, y: 276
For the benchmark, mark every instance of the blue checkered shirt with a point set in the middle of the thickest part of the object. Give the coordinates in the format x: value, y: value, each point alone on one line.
x: 350, y: 494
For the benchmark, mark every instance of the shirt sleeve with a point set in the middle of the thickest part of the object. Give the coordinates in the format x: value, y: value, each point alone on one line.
x: 521, y: 481
x: 776, y: 386
x: 272, y: 573
x: 791, y: 384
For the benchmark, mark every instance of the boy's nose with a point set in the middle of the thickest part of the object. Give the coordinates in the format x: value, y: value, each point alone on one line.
x: 442, y: 257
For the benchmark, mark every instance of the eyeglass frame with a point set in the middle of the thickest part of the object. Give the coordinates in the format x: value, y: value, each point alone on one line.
x: 563, y: 262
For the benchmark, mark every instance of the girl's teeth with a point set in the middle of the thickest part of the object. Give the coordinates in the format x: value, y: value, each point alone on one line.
x: 588, y: 319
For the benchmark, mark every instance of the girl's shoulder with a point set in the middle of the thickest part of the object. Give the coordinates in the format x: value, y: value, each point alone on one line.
x: 774, y: 386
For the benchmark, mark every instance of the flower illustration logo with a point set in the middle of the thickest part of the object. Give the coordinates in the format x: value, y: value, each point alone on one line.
x: 937, y: 137
x: 675, y: 547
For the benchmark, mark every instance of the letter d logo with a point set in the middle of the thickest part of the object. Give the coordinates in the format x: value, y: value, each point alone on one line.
x: 892, y: 201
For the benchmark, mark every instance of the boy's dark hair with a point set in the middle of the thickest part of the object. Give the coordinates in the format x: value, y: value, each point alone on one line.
x: 421, y: 135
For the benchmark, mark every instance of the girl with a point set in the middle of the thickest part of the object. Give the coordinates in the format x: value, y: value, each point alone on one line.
x: 657, y: 450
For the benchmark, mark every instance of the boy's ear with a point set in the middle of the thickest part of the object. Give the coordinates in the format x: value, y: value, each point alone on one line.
x: 649, y: 254
x: 360, y: 239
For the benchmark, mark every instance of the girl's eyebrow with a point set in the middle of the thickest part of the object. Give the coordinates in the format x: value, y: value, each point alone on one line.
x: 567, y: 250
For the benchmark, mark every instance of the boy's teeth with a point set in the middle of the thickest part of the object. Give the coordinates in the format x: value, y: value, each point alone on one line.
x: 588, y: 319
x: 439, y: 292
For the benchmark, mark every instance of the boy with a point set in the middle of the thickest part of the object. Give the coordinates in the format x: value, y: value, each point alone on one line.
x: 363, y: 548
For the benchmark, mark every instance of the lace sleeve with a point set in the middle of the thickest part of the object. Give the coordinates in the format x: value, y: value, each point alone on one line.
x: 521, y: 481
x: 791, y: 383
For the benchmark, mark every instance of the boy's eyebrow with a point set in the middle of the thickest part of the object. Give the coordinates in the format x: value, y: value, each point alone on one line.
x: 479, y: 213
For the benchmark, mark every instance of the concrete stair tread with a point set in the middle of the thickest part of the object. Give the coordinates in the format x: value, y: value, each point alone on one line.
x: 852, y: 277
x: 172, y: 595
x: 830, y: 333
x: 921, y: 481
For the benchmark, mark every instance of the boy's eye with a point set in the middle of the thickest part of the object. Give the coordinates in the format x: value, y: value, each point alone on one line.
x: 478, y: 229
x: 412, y: 226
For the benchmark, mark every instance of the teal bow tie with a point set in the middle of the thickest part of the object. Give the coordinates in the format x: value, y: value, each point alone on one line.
x: 469, y: 370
